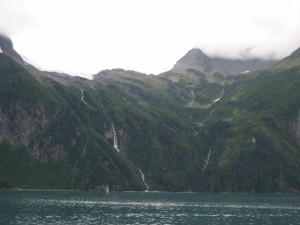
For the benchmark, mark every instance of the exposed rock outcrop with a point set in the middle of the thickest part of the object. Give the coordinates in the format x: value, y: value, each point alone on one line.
x: 198, y: 60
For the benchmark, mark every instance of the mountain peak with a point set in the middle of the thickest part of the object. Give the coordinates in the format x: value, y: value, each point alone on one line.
x: 193, y: 59
x: 196, y: 51
x: 5, y: 42
x: 198, y: 60
x: 7, y: 48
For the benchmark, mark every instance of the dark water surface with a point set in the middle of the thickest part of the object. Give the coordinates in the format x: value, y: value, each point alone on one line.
x: 76, y: 207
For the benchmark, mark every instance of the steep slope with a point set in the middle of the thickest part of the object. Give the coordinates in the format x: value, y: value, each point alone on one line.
x: 159, y: 136
x: 7, y: 48
x: 196, y: 59
x: 254, y: 130
x: 292, y: 60
x: 72, y: 125
x: 188, y: 129
x: 46, y: 140
x: 199, y: 91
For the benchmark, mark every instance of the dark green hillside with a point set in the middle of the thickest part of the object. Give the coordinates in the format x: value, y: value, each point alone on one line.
x: 183, y: 130
x: 155, y: 129
x: 71, y: 126
x: 254, y: 147
x: 45, y: 128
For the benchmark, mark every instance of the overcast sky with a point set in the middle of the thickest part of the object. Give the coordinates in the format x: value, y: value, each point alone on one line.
x: 148, y: 36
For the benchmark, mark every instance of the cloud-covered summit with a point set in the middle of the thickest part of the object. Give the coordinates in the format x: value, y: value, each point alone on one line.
x: 147, y: 36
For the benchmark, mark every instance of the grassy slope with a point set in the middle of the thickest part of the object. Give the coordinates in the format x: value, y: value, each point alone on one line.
x: 261, y: 108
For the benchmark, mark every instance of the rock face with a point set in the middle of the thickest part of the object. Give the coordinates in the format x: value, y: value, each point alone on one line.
x: 196, y: 59
x: 23, y: 126
x: 7, y: 48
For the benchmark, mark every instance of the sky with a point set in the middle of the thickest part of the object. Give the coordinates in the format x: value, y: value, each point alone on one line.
x: 83, y: 37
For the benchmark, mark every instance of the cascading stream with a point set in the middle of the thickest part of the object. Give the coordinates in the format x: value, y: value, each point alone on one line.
x: 115, y: 139
x: 82, y: 97
x: 143, y: 178
x: 206, y: 161
x: 117, y: 148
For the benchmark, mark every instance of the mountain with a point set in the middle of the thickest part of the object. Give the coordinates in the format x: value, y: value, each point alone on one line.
x: 196, y: 59
x: 70, y: 124
x: 7, y: 48
x: 255, y: 131
x: 292, y: 60
x: 183, y: 130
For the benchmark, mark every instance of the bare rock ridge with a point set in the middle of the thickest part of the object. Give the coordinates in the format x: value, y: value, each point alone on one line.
x: 196, y: 59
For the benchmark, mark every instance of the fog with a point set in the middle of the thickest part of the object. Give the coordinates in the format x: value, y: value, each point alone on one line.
x: 149, y: 36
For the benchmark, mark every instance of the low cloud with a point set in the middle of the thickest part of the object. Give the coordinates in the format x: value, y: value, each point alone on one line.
x: 13, y: 17
x: 148, y: 36
x: 269, y: 31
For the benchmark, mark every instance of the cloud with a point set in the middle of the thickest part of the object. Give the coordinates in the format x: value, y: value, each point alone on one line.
x: 150, y: 35
x: 13, y: 17
x: 265, y: 29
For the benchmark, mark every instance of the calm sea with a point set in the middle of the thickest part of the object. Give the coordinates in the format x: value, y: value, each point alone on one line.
x: 76, y: 207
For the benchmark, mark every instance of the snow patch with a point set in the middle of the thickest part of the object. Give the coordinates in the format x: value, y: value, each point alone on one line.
x: 216, y: 100
x: 1, y: 50
x: 245, y: 72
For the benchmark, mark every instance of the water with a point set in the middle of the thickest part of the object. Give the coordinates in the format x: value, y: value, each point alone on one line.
x: 76, y: 207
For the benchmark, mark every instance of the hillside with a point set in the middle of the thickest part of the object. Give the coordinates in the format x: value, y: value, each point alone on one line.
x: 254, y: 131
x: 184, y: 130
x: 291, y: 61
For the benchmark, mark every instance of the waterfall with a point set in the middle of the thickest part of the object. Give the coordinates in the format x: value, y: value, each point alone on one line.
x: 143, y: 178
x: 206, y: 161
x: 115, y: 138
x: 82, y: 98
x: 191, y: 103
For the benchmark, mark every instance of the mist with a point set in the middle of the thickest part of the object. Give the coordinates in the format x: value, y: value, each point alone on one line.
x: 13, y: 17
x: 147, y: 36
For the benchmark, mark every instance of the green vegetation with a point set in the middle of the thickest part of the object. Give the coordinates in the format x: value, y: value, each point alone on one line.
x: 257, y: 151
x: 170, y: 126
x: 19, y: 169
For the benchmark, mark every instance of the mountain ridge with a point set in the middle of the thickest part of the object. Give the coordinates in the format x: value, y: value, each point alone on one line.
x: 197, y: 59
x: 293, y: 60
x: 180, y: 131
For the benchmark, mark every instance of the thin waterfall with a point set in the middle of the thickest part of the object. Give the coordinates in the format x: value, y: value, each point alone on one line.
x: 206, y: 161
x: 143, y: 178
x: 82, y: 97
x: 116, y: 147
x: 115, y: 138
